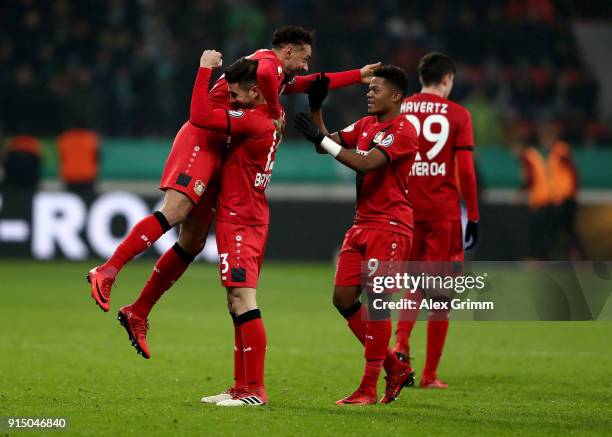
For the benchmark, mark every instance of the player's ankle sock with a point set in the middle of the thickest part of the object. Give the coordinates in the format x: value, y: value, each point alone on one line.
x: 239, y: 376
x: 402, y: 336
x: 253, y: 346
x: 436, y: 335
x: 169, y: 267
x: 371, y: 373
x: 356, y: 323
x: 141, y: 237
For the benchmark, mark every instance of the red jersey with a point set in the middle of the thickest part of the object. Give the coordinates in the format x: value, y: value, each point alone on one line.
x: 382, y: 194
x: 252, y: 145
x: 443, y: 127
x: 273, y: 81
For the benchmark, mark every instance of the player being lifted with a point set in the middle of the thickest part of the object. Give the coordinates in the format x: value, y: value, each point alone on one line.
x: 191, y: 175
x: 243, y: 214
x: 445, y: 136
x: 385, y: 145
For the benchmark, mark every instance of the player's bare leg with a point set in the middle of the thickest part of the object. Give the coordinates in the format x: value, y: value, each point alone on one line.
x: 168, y: 269
x: 143, y: 235
x: 243, y: 305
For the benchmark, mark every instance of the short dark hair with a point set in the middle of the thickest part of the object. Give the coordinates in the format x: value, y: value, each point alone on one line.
x: 243, y: 72
x: 433, y: 67
x: 395, y: 76
x: 292, y: 35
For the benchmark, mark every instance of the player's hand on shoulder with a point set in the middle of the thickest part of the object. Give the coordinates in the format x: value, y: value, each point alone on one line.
x: 367, y: 72
x: 318, y: 91
x: 211, y: 59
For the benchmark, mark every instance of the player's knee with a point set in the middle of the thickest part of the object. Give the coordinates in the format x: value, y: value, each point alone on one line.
x: 176, y: 207
x: 190, y: 243
x: 345, y: 297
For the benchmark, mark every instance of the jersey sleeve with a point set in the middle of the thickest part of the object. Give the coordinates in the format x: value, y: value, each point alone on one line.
x: 301, y: 84
x: 243, y: 123
x: 399, y: 143
x: 464, y: 139
x: 201, y: 113
x: 350, y: 134
x: 267, y: 79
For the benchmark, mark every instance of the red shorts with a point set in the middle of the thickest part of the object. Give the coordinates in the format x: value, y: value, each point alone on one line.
x: 194, y: 164
x: 437, y: 240
x: 363, y: 244
x: 241, y: 253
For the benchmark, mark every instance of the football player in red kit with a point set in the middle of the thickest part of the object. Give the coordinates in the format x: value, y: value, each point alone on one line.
x: 384, y: 145
x: 191, y: 176
x: 242, y: 216
x: 445, y: 138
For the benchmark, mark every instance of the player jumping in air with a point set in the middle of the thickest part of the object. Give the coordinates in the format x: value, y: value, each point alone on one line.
x: 445, y: 136
x: 385, y: 145
x: 191, y: 179
x: 242, y: 216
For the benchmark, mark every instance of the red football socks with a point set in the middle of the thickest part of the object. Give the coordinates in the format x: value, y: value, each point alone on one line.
x: 170, y: 266
x: 239, y: 375
x: 358, y: 326
x: 141, y: 237
x: 371, y: 373
x: 253, y: 347
x: 407, y: 320
x: 437, y: 328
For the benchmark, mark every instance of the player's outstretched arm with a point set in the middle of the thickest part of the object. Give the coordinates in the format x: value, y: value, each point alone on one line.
x: 302, y: 84
x: 201, y: 113
x: 374, y: 159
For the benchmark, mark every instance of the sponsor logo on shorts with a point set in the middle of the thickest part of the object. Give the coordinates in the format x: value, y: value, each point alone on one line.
x: 199, y: 187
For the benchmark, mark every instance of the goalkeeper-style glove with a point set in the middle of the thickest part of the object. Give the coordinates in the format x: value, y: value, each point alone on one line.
x: 304, y: 124
x: 318, y: 91
x: 471, y: 233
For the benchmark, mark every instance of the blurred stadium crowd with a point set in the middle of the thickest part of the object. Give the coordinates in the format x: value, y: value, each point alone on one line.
x: 125, y: 67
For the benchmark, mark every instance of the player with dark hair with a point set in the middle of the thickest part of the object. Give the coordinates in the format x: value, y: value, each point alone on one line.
x: 191, y: 177
x: 445, y: 140
x: 385, y: 145
x: 243, y: 215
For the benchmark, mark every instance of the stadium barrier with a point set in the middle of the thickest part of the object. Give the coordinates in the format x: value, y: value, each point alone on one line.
x: 48, y: 225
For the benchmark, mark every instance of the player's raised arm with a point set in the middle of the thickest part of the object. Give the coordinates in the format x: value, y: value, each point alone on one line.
x: 316, y: 95
x: 267, y: 75
x: 374, y: 159
x: 302, y: 84
x: 201, y: 113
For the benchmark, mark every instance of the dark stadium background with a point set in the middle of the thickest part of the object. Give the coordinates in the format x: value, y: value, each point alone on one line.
x: 125, y: 68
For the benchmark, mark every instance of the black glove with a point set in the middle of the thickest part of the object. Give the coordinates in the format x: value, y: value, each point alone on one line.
x: 318, y: 91
x: 304, y: 124
x: 471, y: 233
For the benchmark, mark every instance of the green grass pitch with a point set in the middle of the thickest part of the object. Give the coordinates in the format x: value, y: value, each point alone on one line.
x: 61, y: 356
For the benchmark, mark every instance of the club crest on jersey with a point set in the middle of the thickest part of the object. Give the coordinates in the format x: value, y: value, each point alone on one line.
x: 280, y: 70
x: 199, y: 187
x: 236, y: 114
x: 378, y: 138
x: 387, y: 141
